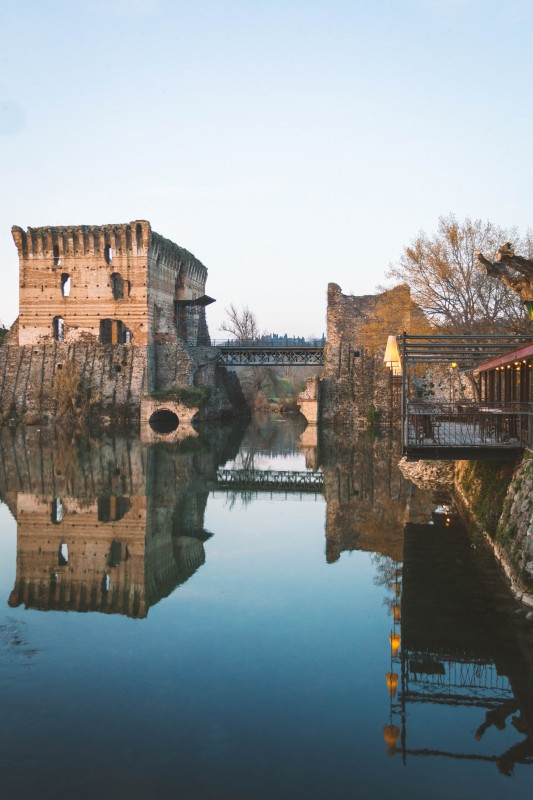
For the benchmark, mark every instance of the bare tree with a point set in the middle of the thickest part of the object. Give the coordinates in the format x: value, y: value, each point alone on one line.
x: 241, y: 323
x: 443, y: 274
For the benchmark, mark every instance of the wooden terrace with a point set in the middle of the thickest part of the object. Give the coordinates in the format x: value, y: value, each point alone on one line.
x: 498, y: 424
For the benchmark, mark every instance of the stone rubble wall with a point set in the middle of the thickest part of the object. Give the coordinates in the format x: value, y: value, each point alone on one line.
x: 428, y: 474
x: 513, y: 543
x: 114, y: 376
x: 355, y: 383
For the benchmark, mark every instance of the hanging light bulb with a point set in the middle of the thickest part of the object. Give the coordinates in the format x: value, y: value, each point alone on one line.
x: 397, y: 586
x: 392, y: 683
x: 391, y: 734
x: 397, y: 611
x: 394, y: 639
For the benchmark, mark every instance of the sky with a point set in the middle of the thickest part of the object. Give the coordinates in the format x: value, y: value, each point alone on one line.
x: 287, y: 144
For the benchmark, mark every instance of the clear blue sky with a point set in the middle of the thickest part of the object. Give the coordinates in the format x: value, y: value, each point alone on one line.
x: 286, y: 144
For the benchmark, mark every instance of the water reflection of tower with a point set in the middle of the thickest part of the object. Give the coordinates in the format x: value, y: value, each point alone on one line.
x: 112, y: 528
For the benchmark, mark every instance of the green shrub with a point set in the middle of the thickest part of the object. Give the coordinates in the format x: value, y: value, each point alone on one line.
x: 190, y: 396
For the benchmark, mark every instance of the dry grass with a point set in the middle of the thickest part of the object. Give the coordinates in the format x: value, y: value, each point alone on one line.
x: 74, y: 403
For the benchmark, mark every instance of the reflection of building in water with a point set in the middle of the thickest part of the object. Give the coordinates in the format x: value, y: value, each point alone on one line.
x: 366, y: 494
x: 111, y: 528
x: 458, y: 650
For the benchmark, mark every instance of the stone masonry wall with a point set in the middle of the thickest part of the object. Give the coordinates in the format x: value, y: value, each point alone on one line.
x: 354, y: 379
x: 114, y: 376
x: 155, y: 343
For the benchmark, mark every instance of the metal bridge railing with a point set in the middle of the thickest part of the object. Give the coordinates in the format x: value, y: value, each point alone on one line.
x: 466, y: 425
x: 276, y: 344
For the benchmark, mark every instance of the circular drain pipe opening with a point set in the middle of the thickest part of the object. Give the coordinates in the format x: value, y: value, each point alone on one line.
x: 163, y: 421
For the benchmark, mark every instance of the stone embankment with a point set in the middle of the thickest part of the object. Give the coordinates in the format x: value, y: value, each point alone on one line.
x: 498, y: 498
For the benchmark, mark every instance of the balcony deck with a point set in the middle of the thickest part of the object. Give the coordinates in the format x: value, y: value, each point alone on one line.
x: 466, y: 430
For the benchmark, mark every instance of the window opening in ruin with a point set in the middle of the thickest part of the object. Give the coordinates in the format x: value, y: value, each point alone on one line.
x: 108, y: 254
x: 62, y: 557
x: 163, y: 421
x: 139, y: 235
x: 117, y: 286
x: 113, y: 331
x: 57, y: 260
x: 57, y: 511
x: 106, y: 583
x: 115, y: 554
x: 58, y: 326
x: 65, y: 284
x: 112, y: 508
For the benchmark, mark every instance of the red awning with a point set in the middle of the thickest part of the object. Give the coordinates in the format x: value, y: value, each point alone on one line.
x: 508, y: 358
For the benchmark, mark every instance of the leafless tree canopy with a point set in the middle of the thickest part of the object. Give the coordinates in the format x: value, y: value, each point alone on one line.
x: 448, y: 283
x: 241, y: 323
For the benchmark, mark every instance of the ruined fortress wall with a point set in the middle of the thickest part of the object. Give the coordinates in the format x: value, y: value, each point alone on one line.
x: 154, y: 337
x: 174, y: 274
x: 113, y: 376
x: 90, y: 255
x: 116, y: 377
x: 354, y: 382
x: 347, y: 386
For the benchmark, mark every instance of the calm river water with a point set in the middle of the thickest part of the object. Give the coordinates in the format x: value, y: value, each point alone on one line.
x: 249, y: 615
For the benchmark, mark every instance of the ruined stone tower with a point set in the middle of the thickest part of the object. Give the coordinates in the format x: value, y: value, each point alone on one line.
x: 112, y: 284
x: 126, y: 305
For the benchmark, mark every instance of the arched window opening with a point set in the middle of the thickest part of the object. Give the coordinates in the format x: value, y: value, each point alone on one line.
x: 113, y: 331
x: 163, y: 421
x: 58, y: 326
x: 62, y: 556
x: 65, y: 284
x: 56, y: 514
x: 108, y: 254
x: 117, y: 286
x: 57, y: 260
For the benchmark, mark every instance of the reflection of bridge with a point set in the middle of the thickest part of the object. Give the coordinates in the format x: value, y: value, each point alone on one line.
x: 270, y: 480
x: 260, y: 354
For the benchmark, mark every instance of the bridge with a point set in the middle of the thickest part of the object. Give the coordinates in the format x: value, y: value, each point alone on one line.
x: 270, y: 480
x: 296, y: 352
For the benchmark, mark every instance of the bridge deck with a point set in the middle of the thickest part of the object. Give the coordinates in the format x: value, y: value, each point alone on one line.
x: 251, y: 355
x: 270, y: 480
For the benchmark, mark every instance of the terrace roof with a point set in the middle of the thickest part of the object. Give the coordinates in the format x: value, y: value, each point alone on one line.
x: 469, y: 352
x: 507, y: 358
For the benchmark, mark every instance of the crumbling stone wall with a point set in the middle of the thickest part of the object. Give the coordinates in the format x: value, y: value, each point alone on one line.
x: 123, y: 303
x: 85, y: 274
x: 354, y: 380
